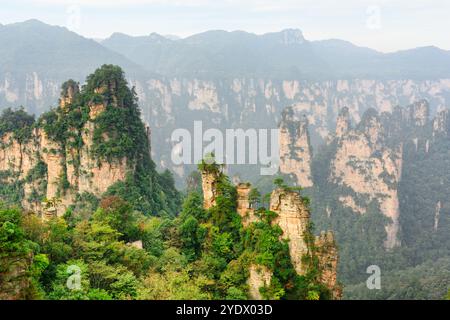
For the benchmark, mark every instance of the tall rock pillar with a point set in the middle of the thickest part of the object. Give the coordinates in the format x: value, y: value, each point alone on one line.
x: 293, y: 219
x: 295, y: 148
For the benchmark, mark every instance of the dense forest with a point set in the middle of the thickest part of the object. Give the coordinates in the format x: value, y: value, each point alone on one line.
x: 418, y: 269
x: 200, y: 254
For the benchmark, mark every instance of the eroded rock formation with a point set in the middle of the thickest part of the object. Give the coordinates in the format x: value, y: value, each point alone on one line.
x: 293, y: 217
x: 343, y: 123
x: 369, y: 168
x: 244, y: 204
x: 295, y: 147
x: 209, y: 187
x: 53, y: 172
x: 328, y: 260
x: 260, y: 276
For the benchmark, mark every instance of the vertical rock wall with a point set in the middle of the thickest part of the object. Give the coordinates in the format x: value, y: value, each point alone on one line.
x: 209, y: 187
x: 293, y: 219
x: 328, y: 261
x: 259, y: 277
x: 295, y: 148
x: 244, y: 206
x: 365, y: 164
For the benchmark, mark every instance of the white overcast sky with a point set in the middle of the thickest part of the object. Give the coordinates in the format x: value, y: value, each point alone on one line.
x: 385, y: 25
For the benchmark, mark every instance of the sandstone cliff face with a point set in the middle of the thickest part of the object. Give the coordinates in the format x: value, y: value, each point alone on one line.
x: 295, y: 148
x: 16, y: 156
x: 256, y: 102
x: 260, y: 277
x: 209, y: 187
x: 96, y: 177
x: 244, y: 205
x: 328, y: 260
x: 89, y: 176
x: 369, y: 168
x: 17, y: 161
x: 259, y: 103
x: 293, y: 218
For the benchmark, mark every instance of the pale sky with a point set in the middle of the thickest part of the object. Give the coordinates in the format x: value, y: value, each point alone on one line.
x: 385, y: 25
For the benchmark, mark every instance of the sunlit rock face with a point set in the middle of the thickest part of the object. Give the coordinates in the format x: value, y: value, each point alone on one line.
x: 244, y: 205
x: 293, y: 219
x: 259, y: 277
x: 209, y: 187
x: 295, y: 148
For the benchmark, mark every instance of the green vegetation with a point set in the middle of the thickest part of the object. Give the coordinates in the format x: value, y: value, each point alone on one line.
x: 17, y: 122
x: 119, y: 131
x: 21, y: 265
x: 424, y: 281
x: 11, y: 187
x: 200, y: 254
x: 407, y: 271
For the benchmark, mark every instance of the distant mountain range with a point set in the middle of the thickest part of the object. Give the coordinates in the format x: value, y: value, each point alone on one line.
x: 282, y: 54
x: 56, y: 51
x: 33, y: 46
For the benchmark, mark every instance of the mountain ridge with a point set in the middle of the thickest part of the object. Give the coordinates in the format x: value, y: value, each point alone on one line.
x: 330, y: 58
x: 43, y: 47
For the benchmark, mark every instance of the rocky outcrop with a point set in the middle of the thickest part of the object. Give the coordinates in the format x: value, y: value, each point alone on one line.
x: 244, y: 204
x: 96, y: 177
x: 69, y: 91
x: 260, y: 277
x: 369, y: 168
x: 293, y: 218
x: 136, y: 244
x: 18, y: 162
x: 209, y: 187
x: 295, y: 148
x: 257, y: 102
x: 328, y: 260
x: 53, y: 174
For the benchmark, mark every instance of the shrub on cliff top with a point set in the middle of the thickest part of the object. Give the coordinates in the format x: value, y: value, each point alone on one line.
x: 18, y: 122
